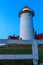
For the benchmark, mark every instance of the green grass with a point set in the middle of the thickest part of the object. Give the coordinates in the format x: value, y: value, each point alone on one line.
x: 20, y: 49
x: 40, y: 51
x: 16, y: 62
x: 16, y: 49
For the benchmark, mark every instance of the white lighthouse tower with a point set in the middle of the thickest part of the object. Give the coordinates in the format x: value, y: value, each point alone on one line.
x: 26, y: 24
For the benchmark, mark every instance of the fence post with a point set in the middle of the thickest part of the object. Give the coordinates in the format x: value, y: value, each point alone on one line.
x: 35, y: 52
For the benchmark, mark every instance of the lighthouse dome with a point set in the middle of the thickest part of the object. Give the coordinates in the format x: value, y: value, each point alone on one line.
x: 26, y: 8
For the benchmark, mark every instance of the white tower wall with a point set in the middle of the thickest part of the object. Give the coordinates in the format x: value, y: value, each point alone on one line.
x: 26, y: 26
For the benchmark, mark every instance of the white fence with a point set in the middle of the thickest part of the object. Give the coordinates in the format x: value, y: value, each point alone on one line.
x: 33, y: 56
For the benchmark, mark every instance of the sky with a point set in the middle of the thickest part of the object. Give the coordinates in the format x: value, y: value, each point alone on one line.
x: 10, y: 21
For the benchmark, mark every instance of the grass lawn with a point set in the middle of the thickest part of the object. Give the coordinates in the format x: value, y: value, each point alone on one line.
x: 16, y: 49
x: 20, y: 49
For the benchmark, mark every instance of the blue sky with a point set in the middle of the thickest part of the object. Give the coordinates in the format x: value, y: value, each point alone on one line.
x: 9, y: 20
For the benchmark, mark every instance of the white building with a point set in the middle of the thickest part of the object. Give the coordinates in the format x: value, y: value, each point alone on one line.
x: 26, y: 24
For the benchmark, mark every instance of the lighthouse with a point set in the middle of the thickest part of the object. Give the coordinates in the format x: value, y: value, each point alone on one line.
x: 26, y: 23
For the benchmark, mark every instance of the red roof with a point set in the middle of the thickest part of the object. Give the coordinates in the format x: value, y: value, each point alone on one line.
x: 39, y: 36
x: 13, y: 37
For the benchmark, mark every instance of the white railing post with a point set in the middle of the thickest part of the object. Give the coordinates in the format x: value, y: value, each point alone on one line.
x: 35, y: 52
